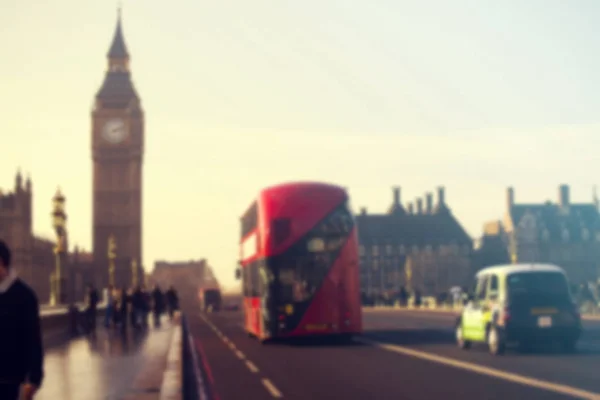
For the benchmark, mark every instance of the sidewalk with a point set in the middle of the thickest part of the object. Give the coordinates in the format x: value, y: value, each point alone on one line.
x: 112, y: 366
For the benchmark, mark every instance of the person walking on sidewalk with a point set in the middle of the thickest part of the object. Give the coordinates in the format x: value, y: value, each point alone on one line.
x: 172, y: 301
x: 158, y: 305
x: 92, y: 309
x: 109, y: 300
x: 21, y: 349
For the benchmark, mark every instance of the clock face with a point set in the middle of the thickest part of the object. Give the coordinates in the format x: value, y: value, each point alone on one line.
x: 114, y: 131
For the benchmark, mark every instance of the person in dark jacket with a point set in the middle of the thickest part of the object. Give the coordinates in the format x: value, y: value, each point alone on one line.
x: 21, y: 349
x: 92, y: 308
x: 158, y: 305
x: 124, y: 308
x: 172, y: 301
x: 137, y: 306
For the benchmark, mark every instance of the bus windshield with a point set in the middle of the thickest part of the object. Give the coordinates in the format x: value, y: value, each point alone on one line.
x: 303, y: 267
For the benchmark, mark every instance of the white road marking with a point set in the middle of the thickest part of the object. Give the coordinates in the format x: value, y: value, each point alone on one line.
x: 253, y: 368
x: 239, y: 354
x: 480, y: 369
x: 271, y: 388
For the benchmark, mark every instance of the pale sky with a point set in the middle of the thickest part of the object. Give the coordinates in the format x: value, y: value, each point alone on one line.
x: 474, y: 95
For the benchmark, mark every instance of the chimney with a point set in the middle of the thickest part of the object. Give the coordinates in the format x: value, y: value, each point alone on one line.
x: 411, y: 209
x: 429, y: 203
x: 396, y: 196
x: 563, y: 195
x: 419, y: 206
x: 363, y: 211
x: 510, y: 197
x: 441, y: 197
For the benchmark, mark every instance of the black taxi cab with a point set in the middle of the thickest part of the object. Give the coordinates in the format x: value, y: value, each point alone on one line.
x: 519, y: 304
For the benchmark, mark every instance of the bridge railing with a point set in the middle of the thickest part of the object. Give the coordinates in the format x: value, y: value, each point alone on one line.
x: 56, y: 320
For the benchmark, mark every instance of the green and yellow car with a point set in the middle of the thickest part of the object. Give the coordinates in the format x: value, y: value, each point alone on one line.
x: 519, y: 304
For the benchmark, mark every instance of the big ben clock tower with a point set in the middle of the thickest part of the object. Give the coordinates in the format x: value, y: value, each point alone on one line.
x: 117, y: 154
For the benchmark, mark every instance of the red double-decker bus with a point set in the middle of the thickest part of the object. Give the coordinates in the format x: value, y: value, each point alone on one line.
x: 299, y: 263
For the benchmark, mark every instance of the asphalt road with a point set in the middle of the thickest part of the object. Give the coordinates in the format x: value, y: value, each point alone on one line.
x: 403, y: 355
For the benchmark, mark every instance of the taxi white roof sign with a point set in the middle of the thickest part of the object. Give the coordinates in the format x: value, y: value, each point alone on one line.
x: 507, y: 269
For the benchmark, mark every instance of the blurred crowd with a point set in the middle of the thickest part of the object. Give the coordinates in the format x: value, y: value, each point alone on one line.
x: 126, y: 307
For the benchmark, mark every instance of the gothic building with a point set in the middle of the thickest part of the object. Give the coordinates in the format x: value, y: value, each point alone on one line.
x: 422, y: 247
x: 33, y: 257
x: 117, y: 154
x: 562, y: 233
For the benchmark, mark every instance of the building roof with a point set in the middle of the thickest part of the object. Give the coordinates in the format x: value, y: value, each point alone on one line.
x: 412, y: 229
x: 117, y: 86
x: 118, y: 48
x: 551, y: 221
x: 429, y: 226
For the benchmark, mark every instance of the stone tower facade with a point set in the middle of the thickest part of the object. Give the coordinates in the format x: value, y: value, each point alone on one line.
x: 117, y: 154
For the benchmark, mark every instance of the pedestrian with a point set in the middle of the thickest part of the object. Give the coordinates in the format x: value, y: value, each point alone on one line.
x: 158, y: 305
x: 92, y: 300
x: 172, y: 301
x: 137, y: 305
x: 124, y: 308
x: 21, y: 349
x: 109, y: 300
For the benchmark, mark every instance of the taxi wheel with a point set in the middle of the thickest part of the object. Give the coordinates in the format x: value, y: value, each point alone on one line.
x: 460, y: 340
x: 495, y: 342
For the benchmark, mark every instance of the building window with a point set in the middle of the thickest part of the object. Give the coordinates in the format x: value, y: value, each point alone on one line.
x: 361, y: 250
x: 545, y: 234
x: 453, y: 250
x: 585, y: 234
x: 388, y: 249
x: 375, y: 251
x: 565, y: 235
x: 402, y: 250
x: 415, y: 249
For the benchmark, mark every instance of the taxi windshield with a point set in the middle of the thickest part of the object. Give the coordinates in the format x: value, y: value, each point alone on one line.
x: 538, y: 283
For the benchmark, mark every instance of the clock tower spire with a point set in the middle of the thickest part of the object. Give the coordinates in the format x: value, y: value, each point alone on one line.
x: 118, y: 56
x: 117, y: 154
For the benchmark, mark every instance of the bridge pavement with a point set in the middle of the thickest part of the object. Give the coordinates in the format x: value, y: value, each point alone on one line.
x: 110, y: 366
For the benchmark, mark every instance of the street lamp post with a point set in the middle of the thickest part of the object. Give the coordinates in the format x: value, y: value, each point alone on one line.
x: 112, y: 255
x: 134, y: 273
x: 59, y: 222
x: 146, y: 280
